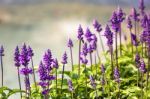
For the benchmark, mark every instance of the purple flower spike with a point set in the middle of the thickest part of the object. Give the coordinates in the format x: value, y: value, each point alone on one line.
x: 47, y: 58
x: 115, y: 22
x: 144, y: 21
x: 134, y: 39
x: 64, y: 58
x: 70, y: 85
x: 109, y: 35
x: 30, y: 52
x: 42, y: 72
x: 142, y: 66
x: 1, y: 51
x: 80, y: 33
x: 134, y: 14
x: 84, y: 60
x: 141, y: 6
x: 88, y: 35
x: 85, y: 49
x: 129, y: 23
x: 24, y: 59
x: 70, y: 43
x: 16, y: 57
x: 97, y: 26
x: 120, y: 15
x: 116, y: 75
x: 55, y: 63
x: 143, y: 36
x: 45, y: 92
x: 25, y: 71
x: 92, y: 81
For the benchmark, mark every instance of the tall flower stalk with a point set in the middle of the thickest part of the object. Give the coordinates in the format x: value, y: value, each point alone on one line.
x: 31, y: 54
x: 17, y: 64
x: 80, y: 38
x: 103, y: 78
x: 120, y: 15
x: 129, y: 26
x: 137, y: 62
x: 70, y: 45
x: 115, y: 22
x: 56, y: 66
x: 84, y: 61
x: 93, y: 84
x: 1, y: 59
x: 64, y: 61
x: 109, y: 36
x: 117, y: 79
x: 71, y: 89
x: 142, y: 70
x: 25, y: 70
x: 98, y: 28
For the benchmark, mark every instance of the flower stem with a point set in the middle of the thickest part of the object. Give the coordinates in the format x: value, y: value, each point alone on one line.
x: 120, y: 35
x: 2, y: 71
x: 112, y: 65
x: 19, y: 80
x: 71, y: 58
x: 79, y: 58
x: 62, y: 77
x: 116, y: 49
x: 34, y: 78
x: 56, y: 82
x: 131, y: 44
x: 147, y: 78
x: 101, y: 42
x: 91, y: 60
x: 142, y: 85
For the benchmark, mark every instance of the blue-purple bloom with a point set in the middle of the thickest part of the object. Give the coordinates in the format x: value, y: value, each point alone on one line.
x: 134, y: 15
x: 64, y: 58
x: 116, y: 75
x: 142, y: 67
x: 26, y: 71
x: 16, y: 57
x: 120, y: 14
x: 80, y: 33
x: 141, y: 6
x: 30, y: 52
x: 134, y: 39
x: 84, y: 53
x: 109, y: 35
x: 24, y: 59
x: 144, y: 21
x: 70, y: 43
x: 70, y: 85
x: 97, y: 26
x: 55, y: 63
x: 48, y: 60
x: 88, y: 35
x: 1, y: 50
x: 92, y: 82
x: 129, y: 23
x: 115, y: 22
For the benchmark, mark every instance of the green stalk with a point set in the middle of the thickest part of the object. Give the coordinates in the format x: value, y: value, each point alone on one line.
x: 116, y: 49
x: 79, y: 58
x: 19, y: 80
x: 56, y: 81
x: 2, y: 71
x: 91, y: 60
x: 142, y: 85
x: 62, y: 77
x: 34, y: 78
x: 71, y: 58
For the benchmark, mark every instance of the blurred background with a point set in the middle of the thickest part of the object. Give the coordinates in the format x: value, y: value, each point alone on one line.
x: 44, y: 24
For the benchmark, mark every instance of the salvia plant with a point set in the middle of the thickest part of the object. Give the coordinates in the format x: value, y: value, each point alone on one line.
x: 123, y: 75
